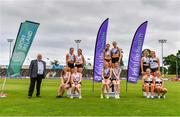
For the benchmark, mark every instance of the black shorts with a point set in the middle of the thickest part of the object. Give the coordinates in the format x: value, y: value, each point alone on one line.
x: 71, y: 65
x: 79, y: 65
x: 112, y: 79
x: 115, y: 60
x: 106, y: 77
x: 107, y: 60
x: 154, y: 70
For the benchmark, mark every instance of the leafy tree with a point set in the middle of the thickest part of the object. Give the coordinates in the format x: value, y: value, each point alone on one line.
x: 165, y: 70
x: 170, y: 62
x: 121, y: 62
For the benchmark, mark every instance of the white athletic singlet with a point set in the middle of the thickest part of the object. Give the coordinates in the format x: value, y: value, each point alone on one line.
x: 106, y: 72
x: 116, y: 71
x: 153, y: 63
x: 76, y: 77
x: 146, y: 60
x: 71, y: 57
x: 79, y: 59
x: 158, y: 81
x: 149, y: 80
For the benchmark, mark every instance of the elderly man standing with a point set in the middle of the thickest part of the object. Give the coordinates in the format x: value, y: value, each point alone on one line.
x: 37, y: 71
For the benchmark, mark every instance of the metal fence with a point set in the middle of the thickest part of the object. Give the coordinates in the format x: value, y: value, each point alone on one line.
x: 50, y: 73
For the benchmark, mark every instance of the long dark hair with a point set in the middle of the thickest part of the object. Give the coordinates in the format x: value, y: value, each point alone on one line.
x: 80, y: 51
x: 106, y: 48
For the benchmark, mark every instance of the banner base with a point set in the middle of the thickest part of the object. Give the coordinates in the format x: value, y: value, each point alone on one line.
x: 3, y: 95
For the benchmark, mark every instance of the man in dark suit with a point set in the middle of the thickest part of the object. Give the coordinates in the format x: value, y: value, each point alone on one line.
x: 37, y: 72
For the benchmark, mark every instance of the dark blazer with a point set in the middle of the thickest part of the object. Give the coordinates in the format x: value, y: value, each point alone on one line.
x: 33, y: 69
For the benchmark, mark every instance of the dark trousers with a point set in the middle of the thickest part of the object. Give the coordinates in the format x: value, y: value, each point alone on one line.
x: 34, y: 81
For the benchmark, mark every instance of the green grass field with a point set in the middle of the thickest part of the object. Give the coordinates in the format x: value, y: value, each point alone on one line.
x: 131, y: 103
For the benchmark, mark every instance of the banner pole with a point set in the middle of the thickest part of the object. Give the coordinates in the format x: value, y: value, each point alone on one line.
x: 126, y: 84
x: 93, y: 81
x: 93, y: 85
x: 2, y: 89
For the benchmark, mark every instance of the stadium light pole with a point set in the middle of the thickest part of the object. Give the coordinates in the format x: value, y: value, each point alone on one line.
x: 78, y: 41
x: 162, y: 41
x: 10, y: 43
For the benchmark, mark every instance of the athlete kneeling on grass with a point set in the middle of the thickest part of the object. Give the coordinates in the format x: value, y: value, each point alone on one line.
x: 148, y: 83
x: 106, y: 75
x: 76, y: 78
x: 115, y: 79
x: 159, y: 85
x: 65, y: 82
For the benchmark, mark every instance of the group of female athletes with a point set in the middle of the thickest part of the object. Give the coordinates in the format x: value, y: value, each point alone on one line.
x: 111, y: 71
x: 151, y: 76
x: 72, y: 73
x: 150, y: 68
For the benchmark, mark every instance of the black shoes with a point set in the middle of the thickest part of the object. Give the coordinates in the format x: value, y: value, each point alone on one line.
x: 58, y: 96
x: 38, y: 96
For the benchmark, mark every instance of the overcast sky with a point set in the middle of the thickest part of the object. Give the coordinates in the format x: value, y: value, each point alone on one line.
x: 63, y: 21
